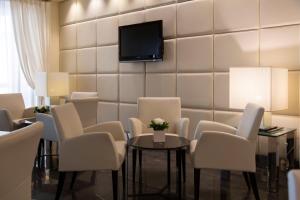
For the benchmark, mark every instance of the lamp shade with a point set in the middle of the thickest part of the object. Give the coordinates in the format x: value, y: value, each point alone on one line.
x: 50, y: 84
x: 265, y: 86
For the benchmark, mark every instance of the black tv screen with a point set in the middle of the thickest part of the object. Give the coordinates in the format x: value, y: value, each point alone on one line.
x: 141, y: 42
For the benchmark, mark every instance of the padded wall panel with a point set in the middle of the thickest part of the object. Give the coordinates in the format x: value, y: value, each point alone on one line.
x: 233, y: 15
x: 67, y: 37
x: 195, y: 116
x: 169, y: 59
x: 107, y: 112
x: 195, y: 54
x: 72, y: 83
x: 107, y: 8
x: 195, y: 90
x: 86, y: 34
x: 86, y: 83
x: 279, y: 12
x: 132, y: 18
x: 107, y: 31
x: 195, y: 18
x: 151, y: 3
x: 107, y: 87
x: 280, y: 47
x: 168, y: 15
x: 125, y: 112
x: 236, y: 49
x: 130, y: 5
x: 161, y: 85
x: 87, y: 60
x: 230, y: 118
x: 131, y: 87
x: 221, y: 90
x: 107, y: 59
x: 67, y: 12
x: 87, y: 9
x: 138, y: 67
x: 67, y: 61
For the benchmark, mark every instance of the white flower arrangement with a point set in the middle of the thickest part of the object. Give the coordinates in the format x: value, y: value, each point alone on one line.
x: 159, y: 124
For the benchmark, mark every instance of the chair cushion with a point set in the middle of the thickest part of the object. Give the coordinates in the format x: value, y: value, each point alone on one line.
x: 121, y: 148
x: 14, y: 103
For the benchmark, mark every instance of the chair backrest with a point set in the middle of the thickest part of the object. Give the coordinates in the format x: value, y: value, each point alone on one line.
x: 17, y: 154
x: 6, y: 122
x: 83, y: 95
x: 50, y: 131
x: 167, y: 108
x: 14, y: 103
x: 67, y: 121
x: 250, y: 122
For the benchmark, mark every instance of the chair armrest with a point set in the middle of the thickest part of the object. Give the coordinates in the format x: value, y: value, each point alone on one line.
x: 219, y: 150
x: 135, y: 126
x: 6, y: 122
x: 29, y: 112
x: 182, y: 127
x: 115, y: 128
x: 294, y: 184
x: 90, y: 151
x: 204, y: 125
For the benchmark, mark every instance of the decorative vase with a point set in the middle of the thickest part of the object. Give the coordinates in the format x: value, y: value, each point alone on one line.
x: 159, y: 136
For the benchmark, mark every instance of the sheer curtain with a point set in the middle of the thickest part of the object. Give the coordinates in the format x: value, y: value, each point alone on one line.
x: 11, y: 75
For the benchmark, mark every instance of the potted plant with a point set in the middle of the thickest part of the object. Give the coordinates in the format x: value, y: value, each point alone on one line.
x: 42, y: 109
x: 159, y: 126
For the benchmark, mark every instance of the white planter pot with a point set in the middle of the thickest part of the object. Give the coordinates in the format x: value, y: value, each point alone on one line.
x: 159, y: 136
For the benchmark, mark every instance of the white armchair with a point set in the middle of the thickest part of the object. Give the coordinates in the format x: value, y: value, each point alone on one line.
x: 167, y: 108
x: 14, y: 104
x: 294, y: 184
x: 219, y: 146
x: 17, y: 153
x: 98, y: 147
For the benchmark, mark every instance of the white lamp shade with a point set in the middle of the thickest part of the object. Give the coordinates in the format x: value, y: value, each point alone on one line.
x: 264, y: 86
x: 50, y: 84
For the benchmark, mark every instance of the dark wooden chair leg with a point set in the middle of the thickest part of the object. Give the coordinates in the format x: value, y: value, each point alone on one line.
x: 74, y: 175
x: 246, y: 177
x: 50, y: 147
x: 254, y: 185
x: 114, y: 174
x: 134, y: 151
x: 169, y: 168
x: 196, y: 183
x: 39, y: 154
x: 60, y: 185
x: 183, y: 159
x: 140, y: 160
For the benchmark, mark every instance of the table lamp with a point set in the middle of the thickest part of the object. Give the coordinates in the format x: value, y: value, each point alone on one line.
x: 51, y: 84
x: 265, y: 86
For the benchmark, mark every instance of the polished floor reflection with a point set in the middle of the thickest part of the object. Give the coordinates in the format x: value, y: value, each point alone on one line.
x: 214, y: 184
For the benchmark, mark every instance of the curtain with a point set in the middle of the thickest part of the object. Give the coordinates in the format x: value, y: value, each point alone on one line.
x: 31, y: 36
x: 11, y: 75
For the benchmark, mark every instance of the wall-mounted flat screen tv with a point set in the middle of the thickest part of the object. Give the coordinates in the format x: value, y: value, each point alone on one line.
x: 141, y: 42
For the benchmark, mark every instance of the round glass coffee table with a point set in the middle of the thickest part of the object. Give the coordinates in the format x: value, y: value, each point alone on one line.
x: 172, y: 143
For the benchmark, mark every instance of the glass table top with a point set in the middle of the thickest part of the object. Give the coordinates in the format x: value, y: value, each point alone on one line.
x: 146, y: 142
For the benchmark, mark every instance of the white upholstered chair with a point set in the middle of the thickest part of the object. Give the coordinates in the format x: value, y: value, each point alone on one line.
x: 167, y: 108
x: 86, y: 104
x: 12, y: 109
x: 102, y: 146
x: 17, y: 153
x: 294, y: 184
x: 219, y: 146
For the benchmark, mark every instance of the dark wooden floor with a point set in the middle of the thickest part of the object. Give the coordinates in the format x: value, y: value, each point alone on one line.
x: 214, y: 184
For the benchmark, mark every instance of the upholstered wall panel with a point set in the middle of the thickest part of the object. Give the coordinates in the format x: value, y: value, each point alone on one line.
x: 130, y: 5
x: 107, y: 112
x: 68, y: 37
x: 169, y: 60
x: 195, y: 54
x: 230, y: 118
x: 86, y: 34
x: 150, y: 3
x: 73, y: 83
x: 87, y: 60
x: 234, y: 15
x: 195, y: 116
x: 107, y: 8
x: 87, y: 9
x: 280, y: 47
x: 67, y: 12
x: 67, y: 61
x: 87, y: 83
x: 161, y: 85
x: 131, y: 18
x: 191, y: 96
x: 108, y: 87
x: 107, y: 59
x: 195, y: 18
x: 221, y: 91
x: 107, y: 31
x: 236, y: 49
x: 131, y: 87
x: 126, y: 111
